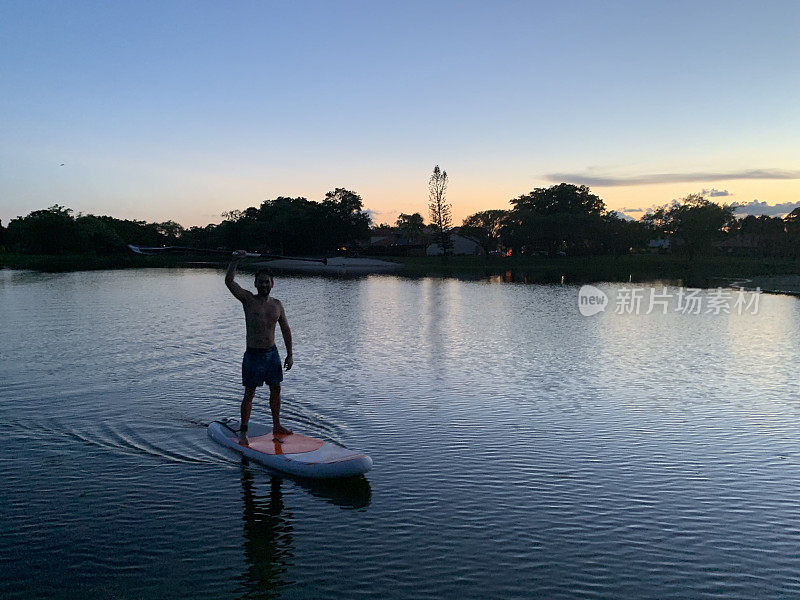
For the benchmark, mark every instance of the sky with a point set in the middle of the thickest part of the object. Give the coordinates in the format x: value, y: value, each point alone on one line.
x: 182, y: 110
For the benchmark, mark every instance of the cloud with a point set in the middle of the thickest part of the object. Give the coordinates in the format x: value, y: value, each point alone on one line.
x: 622, y: 216
x: 374, y: 213
x: 715, y: 193
x: 596, y: 180
x: 381, y: 216
x: 627, y: 210
x: 762, y: 208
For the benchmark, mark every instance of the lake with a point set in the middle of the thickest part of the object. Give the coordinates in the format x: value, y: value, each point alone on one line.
x: 521, y: 450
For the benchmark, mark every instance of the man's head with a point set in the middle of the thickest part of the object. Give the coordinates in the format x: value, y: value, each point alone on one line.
x: 264, y: 281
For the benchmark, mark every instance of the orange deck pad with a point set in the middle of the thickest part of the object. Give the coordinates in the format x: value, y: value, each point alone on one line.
x: 294, y: 443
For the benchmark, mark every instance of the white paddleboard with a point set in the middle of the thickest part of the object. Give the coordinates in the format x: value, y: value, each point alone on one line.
x: 293, y: 453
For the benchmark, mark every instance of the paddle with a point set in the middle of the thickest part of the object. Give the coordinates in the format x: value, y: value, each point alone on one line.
x: 168, y: 249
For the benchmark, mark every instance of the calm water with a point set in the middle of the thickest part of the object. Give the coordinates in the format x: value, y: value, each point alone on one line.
x: 521, y: 450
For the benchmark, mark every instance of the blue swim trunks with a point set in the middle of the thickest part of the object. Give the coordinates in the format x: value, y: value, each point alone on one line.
x: 261, y: 365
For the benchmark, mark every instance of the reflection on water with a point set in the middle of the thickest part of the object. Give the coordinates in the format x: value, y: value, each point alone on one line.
x: 350, y: 493
x: 521, y: 450
x: 267, y: 537
x: 268, y: 525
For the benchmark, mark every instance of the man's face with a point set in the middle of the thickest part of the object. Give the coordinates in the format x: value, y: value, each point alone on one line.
x: 264, y: 284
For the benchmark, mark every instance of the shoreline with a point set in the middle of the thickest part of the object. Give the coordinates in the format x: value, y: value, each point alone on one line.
x: 338, y: 265
x: 774, y: 275
x: 778, y: 284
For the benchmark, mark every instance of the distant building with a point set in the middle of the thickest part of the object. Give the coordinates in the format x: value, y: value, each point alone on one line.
x: 394, y: 242
x: 659, y: 245
x: 738, y: 244
x: 462, y: 246
x: 384, y: 239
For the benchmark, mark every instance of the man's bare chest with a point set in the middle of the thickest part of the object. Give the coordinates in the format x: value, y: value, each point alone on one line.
x: 262, y: 311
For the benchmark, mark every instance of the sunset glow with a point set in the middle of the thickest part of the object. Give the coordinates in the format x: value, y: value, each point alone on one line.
x: 160, y: 112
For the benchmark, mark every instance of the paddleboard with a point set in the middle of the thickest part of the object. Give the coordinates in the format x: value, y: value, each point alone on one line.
x: 294, y: 453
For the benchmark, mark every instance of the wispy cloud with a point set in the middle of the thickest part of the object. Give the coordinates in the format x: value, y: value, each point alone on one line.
x: 376, y: 213
x: 762, y: 208
x: 381, y: 216
x: 622, y: 215
x: 627, y: 210
x: 598, y: 180
x: 716, y: 193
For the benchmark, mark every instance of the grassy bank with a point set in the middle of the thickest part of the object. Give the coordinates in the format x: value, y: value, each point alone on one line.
x: 701, y: 272
x: 698, y: 272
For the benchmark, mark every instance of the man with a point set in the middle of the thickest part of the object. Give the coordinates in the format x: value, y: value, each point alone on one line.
x: 261, y: 362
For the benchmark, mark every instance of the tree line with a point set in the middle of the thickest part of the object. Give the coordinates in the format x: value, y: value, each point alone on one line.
x: 561, y: 219
x: 571, y: 220
x: 57, y: 230
x: 283, y: 225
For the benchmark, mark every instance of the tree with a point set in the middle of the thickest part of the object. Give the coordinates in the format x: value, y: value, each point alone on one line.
x: 100, y: 235
x: 169, y: 230
x: 299, y: 225
x: 139, y: 233
x: 768, y: 233
x: 49, y: 231
x: 620, y: 236
x: 561, y: 218
x: 485, y: 226
x: 350, y: 221
x: 695, y: 220
x: 410, y: 225
x: 792, y: 221
x: 440, y: 209
x: 344, y: 202
x: 232, y: 215
x: 293, y: 226
x: 561, y: 199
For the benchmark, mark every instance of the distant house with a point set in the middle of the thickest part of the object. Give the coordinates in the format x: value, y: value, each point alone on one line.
x: 394, y: 242
x: 462, y: 246
x: 384, y: 239
x: 738, y: 244
x: 661, y: 245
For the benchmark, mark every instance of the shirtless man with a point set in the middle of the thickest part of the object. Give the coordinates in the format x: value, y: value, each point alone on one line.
x: 261, y: 362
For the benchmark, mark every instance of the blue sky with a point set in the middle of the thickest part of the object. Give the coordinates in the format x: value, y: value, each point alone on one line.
x: 183, y: 110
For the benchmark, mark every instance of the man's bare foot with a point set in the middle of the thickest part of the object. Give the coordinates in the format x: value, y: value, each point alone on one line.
x: 243, y: 441
x: 280, y: 430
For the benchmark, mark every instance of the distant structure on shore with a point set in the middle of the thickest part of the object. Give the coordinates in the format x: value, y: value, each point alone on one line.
x: 393, y: 241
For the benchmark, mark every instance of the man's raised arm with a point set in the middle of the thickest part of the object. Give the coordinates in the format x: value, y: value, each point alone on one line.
x: 234, y: 287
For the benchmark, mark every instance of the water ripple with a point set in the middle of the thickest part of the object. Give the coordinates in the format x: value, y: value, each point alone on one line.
x: 520, y: 450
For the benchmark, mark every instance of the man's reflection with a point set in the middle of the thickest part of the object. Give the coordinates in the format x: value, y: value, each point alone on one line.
x: 268, y: 524
x: 267, y: 536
